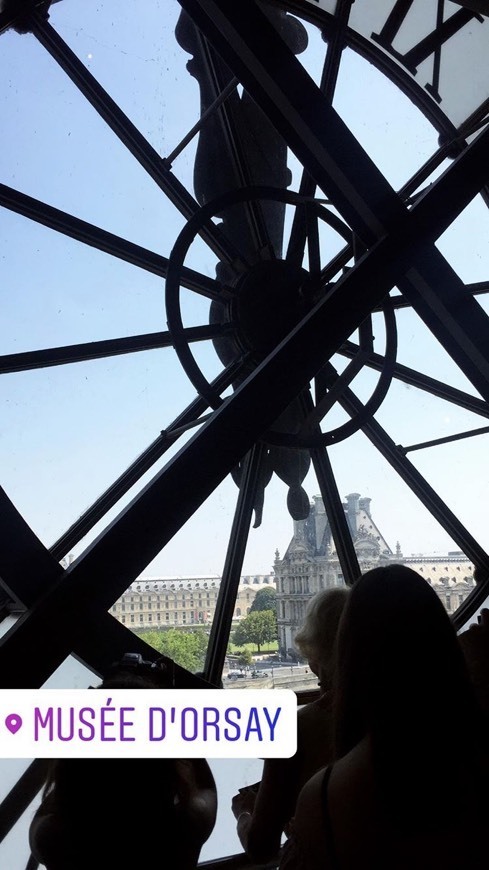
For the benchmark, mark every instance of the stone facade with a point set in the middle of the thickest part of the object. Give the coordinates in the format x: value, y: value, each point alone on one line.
x: 153, y: 602
x: 451, y: 576
x: 311, y: 563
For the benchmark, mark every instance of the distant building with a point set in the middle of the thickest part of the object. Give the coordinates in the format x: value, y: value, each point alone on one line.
x: 152, y: 602
x: 452, y: 576
x: 311, y: 563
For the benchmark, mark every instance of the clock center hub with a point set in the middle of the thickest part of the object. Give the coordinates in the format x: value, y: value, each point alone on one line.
x: 270, y: 300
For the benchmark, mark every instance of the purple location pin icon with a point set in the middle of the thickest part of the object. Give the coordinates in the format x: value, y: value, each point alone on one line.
x: 13, y: 722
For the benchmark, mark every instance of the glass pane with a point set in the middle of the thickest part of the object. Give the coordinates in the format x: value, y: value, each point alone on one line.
x: 229, y: 776
x: 14, y: 849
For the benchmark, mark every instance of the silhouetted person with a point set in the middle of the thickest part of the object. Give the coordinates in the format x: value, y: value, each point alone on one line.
x: 410, y: 788
x: 263, y: 813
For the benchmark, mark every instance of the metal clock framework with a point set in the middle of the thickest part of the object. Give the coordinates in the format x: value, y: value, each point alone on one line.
x: 281, y: 310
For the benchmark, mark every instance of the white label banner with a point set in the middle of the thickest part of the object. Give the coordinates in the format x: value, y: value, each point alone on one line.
x: 143, y: 723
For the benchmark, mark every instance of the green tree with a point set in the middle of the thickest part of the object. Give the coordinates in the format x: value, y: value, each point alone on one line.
x: 245, y: 659
x: 257, y: 628
x: 270, y: 631
x: 240, y: 634
x: 265, y: 599
x: 186, y: 648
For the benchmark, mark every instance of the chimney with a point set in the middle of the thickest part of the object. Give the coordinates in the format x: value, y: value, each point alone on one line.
x: 353, y: 505
x: 365, y: 506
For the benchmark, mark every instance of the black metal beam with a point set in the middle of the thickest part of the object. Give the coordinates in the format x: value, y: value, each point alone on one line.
x: 90, y: 350
x: 423, y: 382
x: 478, y: 288
x: 327, y: 86
x: 233, y: 565
x: 204, y: 116
x: 331, y: 498
x: 21, y: 795
x: 27, y: 569
x: 448, y: 439
x: 336, y: 515
x: 89, y: 234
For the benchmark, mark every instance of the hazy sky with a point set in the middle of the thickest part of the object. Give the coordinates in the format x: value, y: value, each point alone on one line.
x: 68, y: 432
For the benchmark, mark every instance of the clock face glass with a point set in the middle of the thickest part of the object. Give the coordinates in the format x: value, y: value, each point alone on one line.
x: 135, y: 305
x: 434, y: 49
x: 164, y: 231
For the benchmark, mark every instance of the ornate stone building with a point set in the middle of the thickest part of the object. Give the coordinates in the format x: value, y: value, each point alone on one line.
x: 311, y: 563
x: 153, y: 602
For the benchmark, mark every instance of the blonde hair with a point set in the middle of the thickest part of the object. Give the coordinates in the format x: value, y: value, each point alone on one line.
x: 317, y: 637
